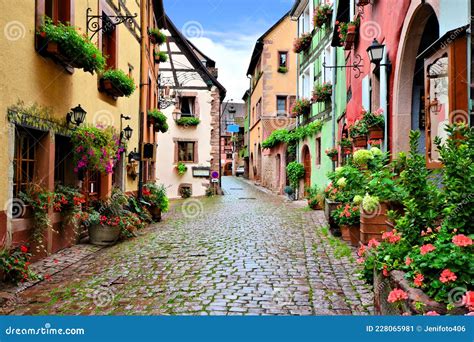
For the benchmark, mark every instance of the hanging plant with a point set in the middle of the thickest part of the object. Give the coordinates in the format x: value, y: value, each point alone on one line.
x: 96, y: 149
x: 181, y: 168
x: 322, y: 92
x: 302, y: 43
x: 322, y: 15
x: 69, y: 47
x: 159, y: 120
x: 156, y: 36
x: 301, y: 106
x: 160, y: 57
x: 117, y: 83
x: 188, y: 121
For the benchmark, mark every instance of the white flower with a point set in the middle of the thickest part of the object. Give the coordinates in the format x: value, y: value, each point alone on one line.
x: 342, y: 182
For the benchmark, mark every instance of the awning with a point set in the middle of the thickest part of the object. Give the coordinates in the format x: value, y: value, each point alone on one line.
x: 445, y: 40
x: 342, y: 15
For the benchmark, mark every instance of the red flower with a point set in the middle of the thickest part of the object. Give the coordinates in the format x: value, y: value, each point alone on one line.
x: 55, y: 261
x: 43, y: 34
x: 431, y: 313
x: 397, y: 295
x: 47, y: 277
x: 385, y: 271
x: 418, y: 281
x: 408, y: 261
x: 462, y: 240
x: 361, y: 251
x: 468, y: 300
x: 391, y: 237
x: 23, y: 249
x: 447, y: 276
x: 426, y: 249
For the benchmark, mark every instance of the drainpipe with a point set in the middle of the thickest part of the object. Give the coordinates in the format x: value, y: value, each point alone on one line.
x: 142, y: 101
x: 384, y: 78
x: 334, y: 104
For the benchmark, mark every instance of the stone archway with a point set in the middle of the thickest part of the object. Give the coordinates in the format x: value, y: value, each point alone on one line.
x: 404, y: 89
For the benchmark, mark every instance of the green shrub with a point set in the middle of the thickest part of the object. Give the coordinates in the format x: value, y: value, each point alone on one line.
x: 295, y: 172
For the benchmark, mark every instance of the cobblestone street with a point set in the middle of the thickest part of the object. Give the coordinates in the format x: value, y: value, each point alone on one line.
x: 245, y: 253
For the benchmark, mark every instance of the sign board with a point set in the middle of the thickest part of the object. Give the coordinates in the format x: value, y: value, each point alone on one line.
x: 201, y: 171
x: 215, y: 175
x: 214, y: 180
x: 233, y: 128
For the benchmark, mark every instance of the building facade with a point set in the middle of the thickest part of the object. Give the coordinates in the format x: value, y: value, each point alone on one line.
x: 232, y: 119
x: 42, y: 87
x: 191, y: 100
x: 273, y: 90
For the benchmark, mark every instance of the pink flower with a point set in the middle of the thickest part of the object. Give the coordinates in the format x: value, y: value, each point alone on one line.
x: 373, y: 243
x: 418, y: 281
x: 385, y: 271
x: 431, y: 313
x: 360, y: 260
x: 397, y: 295
x: 391, y: 237
x: 447, y: 276
x: 361, y: 251
x: 408, y: 261
x: 462, y: 240
x: 468, y: 300
x: 426, y: 249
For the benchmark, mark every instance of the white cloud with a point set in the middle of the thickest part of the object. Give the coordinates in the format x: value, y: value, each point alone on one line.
x: 231, y: 52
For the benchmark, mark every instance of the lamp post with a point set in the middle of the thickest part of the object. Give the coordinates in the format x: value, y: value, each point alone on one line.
x: 376, y: 52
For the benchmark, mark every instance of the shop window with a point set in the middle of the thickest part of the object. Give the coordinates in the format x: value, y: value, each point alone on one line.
x: 281, y: 105
x: 27, y: 144
x: 186, y: 152
x: 187, y: 105
x: 63, y: 162
x: 283, y: 59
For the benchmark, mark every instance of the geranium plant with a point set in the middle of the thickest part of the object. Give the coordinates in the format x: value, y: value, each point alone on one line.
x: 77, y: 49
x: 331, y: 152
x: 346, y: 215
x: 322, y: 92
x: 123, y: 83
x: 343, y: 28
x: 302, y: 43
x: 15, y: 264
x: 155, y: 195
x: 322, y: 15
x: 358, y: 129
x: 95, y: 149
x: 374, y: 119
x: 301, y: 106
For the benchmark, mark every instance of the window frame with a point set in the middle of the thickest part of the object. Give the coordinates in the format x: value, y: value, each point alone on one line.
x: 194, y: 152
x: 285, y: 99
x: 283, y: 53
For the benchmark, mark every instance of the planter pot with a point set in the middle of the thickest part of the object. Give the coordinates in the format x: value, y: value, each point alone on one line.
x: 329, y: 207
x: 155, y: 213
x: 373, y: 225
x: 376, y: 133
x: 350, y: 37
x: 351, y: 234
x: 103, y: 235
x: 109, y: 88
x: 362, y: 3
x: 345, y: 233
x: 151, y: 120
x: 346, y: 150
x: 360, y: 141
x: 314, y: 205
x: 334, y: 158
x: 54, y: 50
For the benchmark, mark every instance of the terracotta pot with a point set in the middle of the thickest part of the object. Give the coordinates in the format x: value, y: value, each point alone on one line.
x: 354, y: 232
x: 360, y: 141
x: 108, y: 87
x: 376, y: 133
x: 345, y: 233
x: 103, y: 235
x: 155, y: 213
x: 351, y: 28
x: 373, y: 225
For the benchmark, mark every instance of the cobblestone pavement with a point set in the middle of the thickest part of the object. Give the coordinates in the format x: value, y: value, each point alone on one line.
x: 245, y: 253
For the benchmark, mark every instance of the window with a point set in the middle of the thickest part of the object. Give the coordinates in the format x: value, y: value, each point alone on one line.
x: 58, y: 10
x: 283, y: 59
x: 187, y: 105
x: 228, y: 155
x: 109, y: 42
x: 259, y: 109
x: 186, y: 151
x: 281, y: 105
x: 306, y: 84
x: 318, y: 151
x: 27, y: 142
x: 63, y: 161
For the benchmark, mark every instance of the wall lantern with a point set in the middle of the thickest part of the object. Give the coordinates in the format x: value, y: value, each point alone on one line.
x: 127, y: 132
x: 76, y: 116
x: 376, y: 52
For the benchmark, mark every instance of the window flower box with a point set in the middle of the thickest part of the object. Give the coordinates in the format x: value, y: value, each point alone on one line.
x: 301, y: 107
x: 375, y: 124
x: 322, y: 15
x: 322, y: 93
x: 116, y: 83
x: 188, y: 121
x: 347, y: 33
x: 358, y: 132
x: 303, y: 43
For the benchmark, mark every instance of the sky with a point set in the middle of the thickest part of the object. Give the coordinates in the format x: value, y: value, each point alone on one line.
x: 226, y: 31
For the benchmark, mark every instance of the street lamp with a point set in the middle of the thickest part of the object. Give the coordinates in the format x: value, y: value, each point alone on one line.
x: 76, y: 116
x: 376, y: 52
x: 127, y: 132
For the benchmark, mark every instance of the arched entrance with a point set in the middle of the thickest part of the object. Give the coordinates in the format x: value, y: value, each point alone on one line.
x: 251, y: 167
x: 420, y: 30
x: 306, y: 157
x: 228, y: 169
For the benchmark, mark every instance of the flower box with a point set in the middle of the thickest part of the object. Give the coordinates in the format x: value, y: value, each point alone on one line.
x: 376, y: 133
x: 303, y: 43
x: 417, y: 303
x: 54, y: 50
x: 351, y: 234
x: 360, y: 141
x: 373, y: 224
x: 106, y: 86
x: 350, y: 36
x: 116, y: 83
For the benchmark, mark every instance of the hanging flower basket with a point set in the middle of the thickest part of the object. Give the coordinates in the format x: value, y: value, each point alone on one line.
x: 301, y: 107
x: 347, y: 33
x: 302, y: 43
x: 376, y: 133
x: 322, y: 92
x: 322, y: 15
x: 116, y: 83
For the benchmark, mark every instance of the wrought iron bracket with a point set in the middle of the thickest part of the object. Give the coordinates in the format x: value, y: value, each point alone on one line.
x: 105, y: 23
x: 355, y: 65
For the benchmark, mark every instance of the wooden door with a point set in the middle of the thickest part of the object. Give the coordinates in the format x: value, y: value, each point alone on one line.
x: 307, y: 167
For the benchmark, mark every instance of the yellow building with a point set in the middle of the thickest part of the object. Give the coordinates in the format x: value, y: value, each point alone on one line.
x: 41, y: 83
x: 273, y: 70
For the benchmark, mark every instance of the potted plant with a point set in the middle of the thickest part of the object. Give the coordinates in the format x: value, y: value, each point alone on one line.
x: 65, y: 45
x: 158, y: 120
x: 322, y: 15
x: 301, y: 107
x: 181, y: 168
x: 315, y: 198
x: 347, y: 217
x: 358, y: 133
x: 282, y: 69
x: 375, y: 124
x: 116, y: 83
x: 347, y: 32
x: 103, y: 227
x: 290, y: 192
x: 332, y: 153
x: 160, y: 56
x: 362, y: 157
x: 302, y: 43
x: 155, y: 196
x: 156, y: 36
x: 346, y: 146
x: 187, y: 121
x: 322, y: 92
